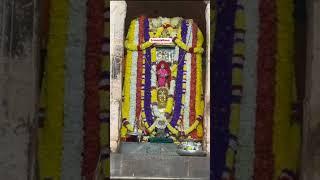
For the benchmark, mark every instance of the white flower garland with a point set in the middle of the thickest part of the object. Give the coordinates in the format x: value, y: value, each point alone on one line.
x: 74, y: 92
x: 245, y: 154
x: 133, y: 81
x: 186, y: 117
x: 172, y: 87
x: 153, y: 76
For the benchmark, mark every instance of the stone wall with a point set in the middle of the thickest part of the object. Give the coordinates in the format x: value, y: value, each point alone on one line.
x: 310, y: 165
x: 17, y: 87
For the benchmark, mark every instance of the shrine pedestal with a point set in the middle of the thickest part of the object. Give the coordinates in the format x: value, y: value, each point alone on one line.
x: 133, y: 148
x: 154, y: 165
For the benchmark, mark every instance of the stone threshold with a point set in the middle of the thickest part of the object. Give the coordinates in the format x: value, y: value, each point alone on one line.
x: 156, y: 161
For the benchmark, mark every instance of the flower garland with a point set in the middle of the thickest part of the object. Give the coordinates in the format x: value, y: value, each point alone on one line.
x: 74, y: 88
x: 178, y: 90
x: 147, y: 86
x: 95, y: 28
x: 139, y: 69
x: 188, y: 59
x: 199, y: 94
x: 193, y: 82
x: 126, y: 88
x: 237, y: 66
x: 136, y: 47
x: 170, y: 102
x: 199, y: 91
x: 264, y: 159
x: 286, y: 136
x: 222, y: 79
x: 245, y: 153
x: 50, y: 136
x: 104, y: 98
x: 169, y: 105
x: 133, y: 80
x: 149, y: 81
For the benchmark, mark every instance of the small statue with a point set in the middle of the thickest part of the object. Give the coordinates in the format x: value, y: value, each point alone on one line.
x: 163, y: 74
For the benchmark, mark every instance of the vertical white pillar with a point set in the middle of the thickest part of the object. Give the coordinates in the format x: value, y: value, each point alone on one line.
x: 207, y: 87
x: 117, y: 20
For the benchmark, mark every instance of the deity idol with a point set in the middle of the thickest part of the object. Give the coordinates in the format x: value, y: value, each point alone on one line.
x: 163, y: 74
x: 162, y: 98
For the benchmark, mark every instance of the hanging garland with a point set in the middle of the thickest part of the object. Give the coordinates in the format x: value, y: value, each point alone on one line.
x: 222, y: 80
x: 147, y: 44
x: 237, y: 66
x: 178, y: 91
x: 147, y: 86
x: 186, y: 96
x: 264, y: 159
x: 245, y: 153
x: 133, y: 78
x: 74, y: 88
x: 95, y: 28
x: 126, y: 87
x: 151, y: 60
x: 139, y: 68
x: 50, y: 133
x: 199, y: 104
x: 193, y: 82
x: 286, y: 136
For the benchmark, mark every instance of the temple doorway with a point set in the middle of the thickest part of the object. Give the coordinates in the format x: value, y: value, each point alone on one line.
x: 163, y: 112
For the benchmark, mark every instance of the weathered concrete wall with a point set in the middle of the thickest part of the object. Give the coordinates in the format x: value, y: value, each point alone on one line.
x: 310, y: 166
x: 17, y: 86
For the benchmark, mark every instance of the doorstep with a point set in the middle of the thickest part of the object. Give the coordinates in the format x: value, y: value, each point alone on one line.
x: 156, y: 161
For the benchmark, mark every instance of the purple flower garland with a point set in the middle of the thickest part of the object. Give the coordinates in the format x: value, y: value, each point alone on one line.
x: 178, y: 90
x: 147, y: 92
x: 222, y: 83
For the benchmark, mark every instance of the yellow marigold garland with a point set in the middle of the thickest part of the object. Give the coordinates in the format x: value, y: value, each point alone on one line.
x: 199, y: 88
x: 50, y: 136
x: 286, y: 135
x: 169, y: 105
x: 153, y: 95
x: 153, y: 54
x: 126, y: 86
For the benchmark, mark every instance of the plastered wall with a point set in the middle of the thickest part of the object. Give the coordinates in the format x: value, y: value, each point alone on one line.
x: 17, y: 87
